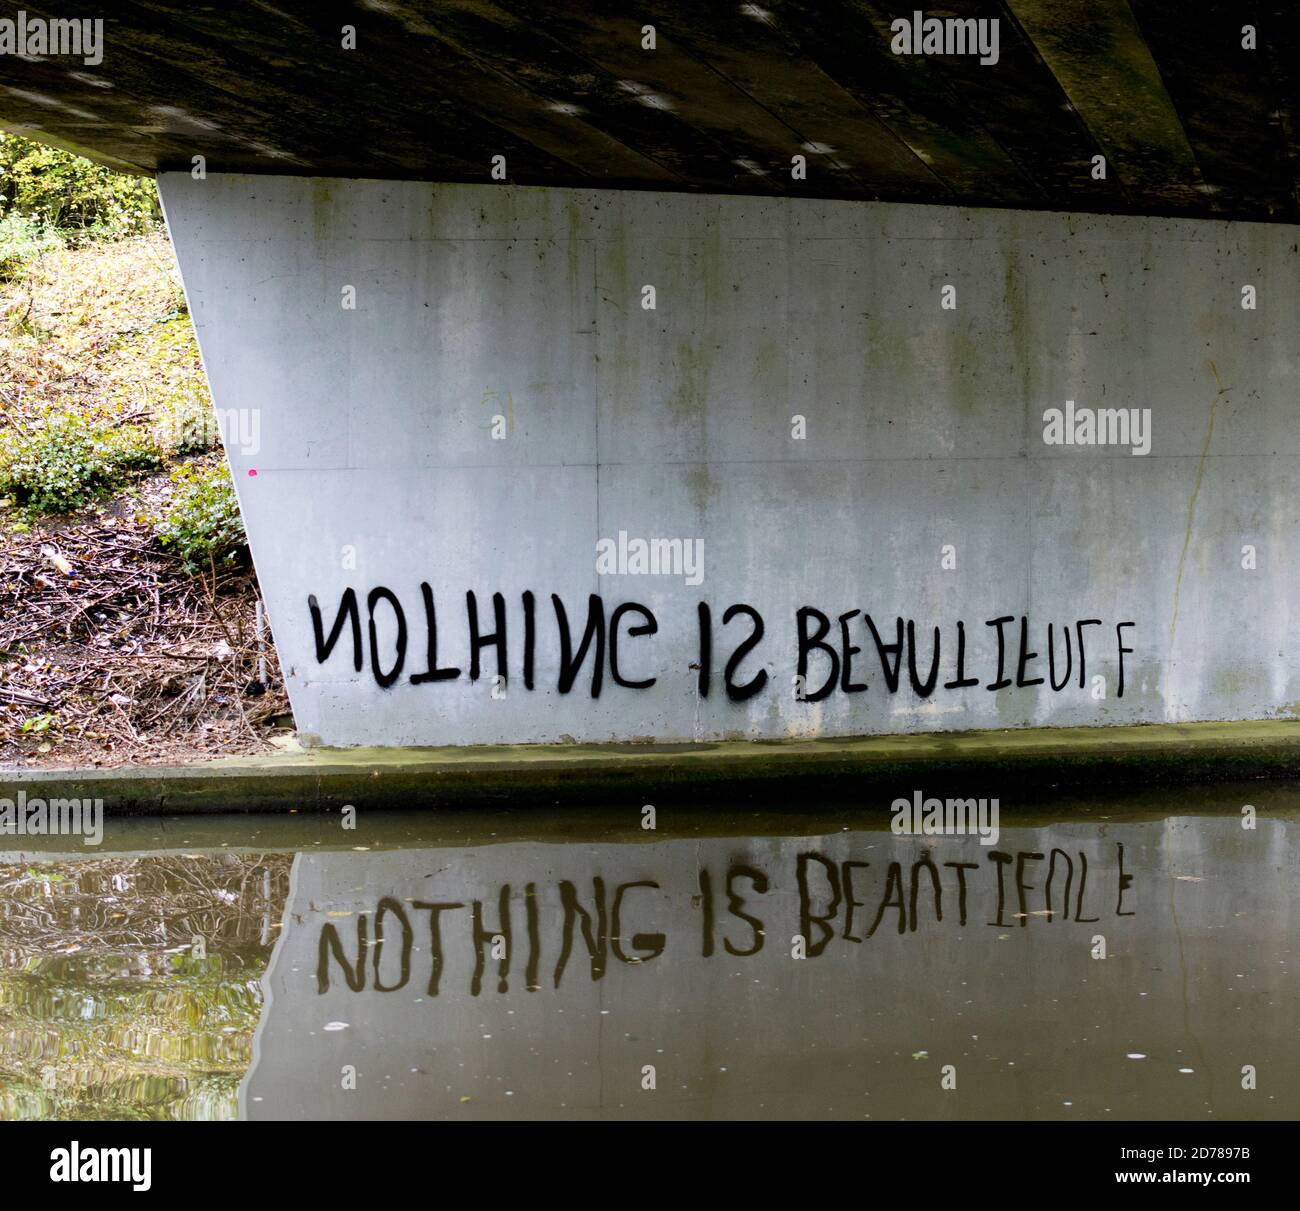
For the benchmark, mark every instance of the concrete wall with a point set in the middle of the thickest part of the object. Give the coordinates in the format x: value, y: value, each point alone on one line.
x: 379, y: 462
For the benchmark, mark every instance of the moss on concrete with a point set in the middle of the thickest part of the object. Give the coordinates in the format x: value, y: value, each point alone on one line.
x: 989, y: 762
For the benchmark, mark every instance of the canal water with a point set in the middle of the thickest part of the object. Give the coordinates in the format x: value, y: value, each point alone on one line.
x: 1111, y: 957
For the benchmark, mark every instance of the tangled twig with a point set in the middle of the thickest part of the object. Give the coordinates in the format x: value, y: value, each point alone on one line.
x: 129, y: 658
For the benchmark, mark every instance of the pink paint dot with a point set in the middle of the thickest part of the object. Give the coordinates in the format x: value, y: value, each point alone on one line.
x: 251, y: 471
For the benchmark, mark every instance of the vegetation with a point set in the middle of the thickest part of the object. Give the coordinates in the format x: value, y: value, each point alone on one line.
x: 100, y: 378
x: 108, y: 1011
x: 119, y: 530
x: 49, y: 194
x: 201, y: 521
x: 64, y: 459
x: 21, y: 240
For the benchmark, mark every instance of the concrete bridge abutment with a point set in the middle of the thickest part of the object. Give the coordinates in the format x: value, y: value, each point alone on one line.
x: 538, y: 464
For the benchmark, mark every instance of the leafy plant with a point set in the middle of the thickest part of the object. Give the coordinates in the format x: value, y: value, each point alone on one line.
x: 23, y: 238
x: 66, y: 459
x: 73, y: 196
x: 185, y: 422
x: 201, y: 520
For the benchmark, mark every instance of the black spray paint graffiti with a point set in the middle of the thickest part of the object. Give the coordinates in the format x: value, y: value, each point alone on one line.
x: 833, y: 651
x: 837, y: 903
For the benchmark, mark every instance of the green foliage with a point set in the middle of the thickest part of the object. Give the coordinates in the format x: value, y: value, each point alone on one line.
x: 72, y: 195
x: 188, y: 425
x: 63, y: 460
x: 23, y: 238
x: 49, y: 198
x: 201, y: 521
x: 107, y: 1014
x: 159, y: 362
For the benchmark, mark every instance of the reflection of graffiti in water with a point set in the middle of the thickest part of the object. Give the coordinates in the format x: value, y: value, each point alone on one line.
x: 835, y: 902
x: 108, y: 1008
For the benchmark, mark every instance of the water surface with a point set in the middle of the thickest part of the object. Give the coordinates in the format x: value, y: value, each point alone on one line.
x: 1122, y: 957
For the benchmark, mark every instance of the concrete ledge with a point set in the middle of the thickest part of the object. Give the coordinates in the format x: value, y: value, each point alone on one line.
x: 999, y: 763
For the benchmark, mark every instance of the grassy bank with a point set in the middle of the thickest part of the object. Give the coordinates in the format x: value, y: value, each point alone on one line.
x: 129, y: 622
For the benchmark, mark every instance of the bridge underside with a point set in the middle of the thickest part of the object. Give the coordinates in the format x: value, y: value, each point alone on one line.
x: 1189, y: 120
